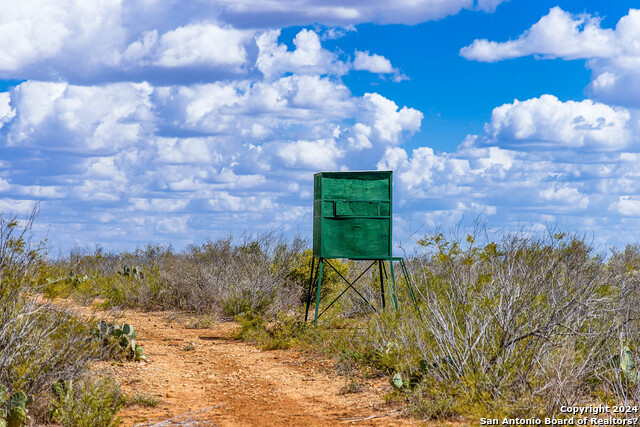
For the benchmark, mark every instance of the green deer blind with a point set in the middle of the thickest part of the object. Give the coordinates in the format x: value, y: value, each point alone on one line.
x: 352, y: 215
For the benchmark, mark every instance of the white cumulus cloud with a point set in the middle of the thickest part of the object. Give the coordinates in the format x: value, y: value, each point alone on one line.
x: 121, y: 154
x: 372, y: 62
x: 203, y: 44
x: 558, y: 34
x: 549, y: 122
x: 318, y: 155
x: 540, y: 161
x: 96, y: 118
x: 376, y: 64
x: 389, y: 122
x: 613, y: 54
x: 6, y: 112
x: 87, y: 41
x: 308, y: 57
x: 627, y: 206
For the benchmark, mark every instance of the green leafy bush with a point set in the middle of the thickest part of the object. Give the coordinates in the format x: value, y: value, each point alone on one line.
x: 330, y: 279
x: 89, y: 402
x: 280, y: 333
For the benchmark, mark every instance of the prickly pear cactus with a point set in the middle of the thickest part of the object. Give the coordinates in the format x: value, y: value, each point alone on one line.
x: 3, y: 399
x: 138, y: 353
x: 127, y: 329
x: 17, y: 417
x: 20, y: 400
x: 124, y: 341
x: 14, y: 408
x: 391, y: 347
x: 129, y: 272
x: 62, y: 388
x: 396, y: 381
x: 628, y: 367
x: 63, y: 392
x: 125, y: 338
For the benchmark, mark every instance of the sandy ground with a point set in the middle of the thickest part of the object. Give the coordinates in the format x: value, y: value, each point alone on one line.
x: 205, y: 377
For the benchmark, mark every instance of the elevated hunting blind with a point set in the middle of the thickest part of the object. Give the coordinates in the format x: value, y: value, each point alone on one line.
x: 352, y: 219
x: 352, y: 215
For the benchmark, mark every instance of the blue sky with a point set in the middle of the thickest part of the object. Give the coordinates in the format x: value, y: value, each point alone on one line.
x: 173, y: 122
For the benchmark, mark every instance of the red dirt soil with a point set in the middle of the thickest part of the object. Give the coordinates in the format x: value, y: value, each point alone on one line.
x: 205, y: 377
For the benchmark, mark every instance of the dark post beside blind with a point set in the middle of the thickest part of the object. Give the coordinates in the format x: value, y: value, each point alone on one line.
x: 352, y: 218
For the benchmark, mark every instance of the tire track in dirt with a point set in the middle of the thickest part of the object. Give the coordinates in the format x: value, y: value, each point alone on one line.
x: 232, y: 383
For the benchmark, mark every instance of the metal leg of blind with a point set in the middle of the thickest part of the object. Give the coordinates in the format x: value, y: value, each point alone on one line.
x: 315, y: 321
x: 311, y: 281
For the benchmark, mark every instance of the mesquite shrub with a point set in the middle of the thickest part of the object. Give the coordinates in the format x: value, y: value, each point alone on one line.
x: 39, y: 342
x: 515, y: 327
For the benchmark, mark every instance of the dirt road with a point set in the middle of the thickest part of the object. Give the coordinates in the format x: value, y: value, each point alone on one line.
x: 204, y: 377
